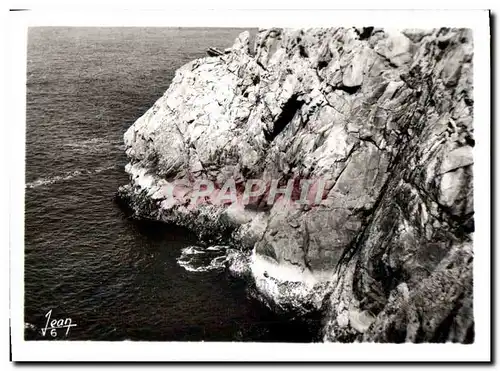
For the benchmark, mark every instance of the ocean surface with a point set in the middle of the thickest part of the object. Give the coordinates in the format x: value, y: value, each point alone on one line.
x: 115, y: 278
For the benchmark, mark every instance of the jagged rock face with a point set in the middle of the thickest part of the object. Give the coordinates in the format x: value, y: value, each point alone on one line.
x: 385, y: 118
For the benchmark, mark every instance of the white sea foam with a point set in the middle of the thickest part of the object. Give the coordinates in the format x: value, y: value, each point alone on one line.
x: 94, y: 145
x: 200, y: 259
x: 30, y: 326
x: 216, y: 248
x: 191, y: 250
x: 214, y: 265
x: 68, y: 176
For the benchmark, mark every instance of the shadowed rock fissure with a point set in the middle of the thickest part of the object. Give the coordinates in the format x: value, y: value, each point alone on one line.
x: 288, y: 112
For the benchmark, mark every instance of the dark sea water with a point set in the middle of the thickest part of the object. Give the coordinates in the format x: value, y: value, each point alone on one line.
x: 84, y: 259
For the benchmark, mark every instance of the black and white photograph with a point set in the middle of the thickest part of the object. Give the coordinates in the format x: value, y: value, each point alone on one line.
x: 272, y: 184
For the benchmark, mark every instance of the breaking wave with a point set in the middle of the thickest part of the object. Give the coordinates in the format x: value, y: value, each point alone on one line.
x: 203, y: 259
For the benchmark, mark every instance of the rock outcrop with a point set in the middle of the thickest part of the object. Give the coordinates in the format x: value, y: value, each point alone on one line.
x: 384, y: 119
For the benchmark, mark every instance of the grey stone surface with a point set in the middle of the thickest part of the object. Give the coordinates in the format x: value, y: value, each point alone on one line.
x: 386, y: 118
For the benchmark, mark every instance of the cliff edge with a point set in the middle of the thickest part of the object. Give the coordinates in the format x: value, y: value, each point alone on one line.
x: 383, y: 120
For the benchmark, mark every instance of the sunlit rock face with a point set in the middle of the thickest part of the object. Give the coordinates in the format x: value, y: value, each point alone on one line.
x: 384, y: 118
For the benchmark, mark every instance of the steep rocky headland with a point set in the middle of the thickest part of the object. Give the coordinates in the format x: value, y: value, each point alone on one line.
x: 384, y: 117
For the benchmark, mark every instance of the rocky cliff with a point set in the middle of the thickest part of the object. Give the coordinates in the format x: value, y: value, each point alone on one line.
x: 384, y: 118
